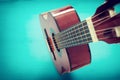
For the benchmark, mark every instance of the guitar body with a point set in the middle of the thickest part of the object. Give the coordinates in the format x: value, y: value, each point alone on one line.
x: 67, y: 37
x: 66, y: 59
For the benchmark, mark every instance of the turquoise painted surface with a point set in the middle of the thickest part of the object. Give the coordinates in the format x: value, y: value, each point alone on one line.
x: 24, y: 54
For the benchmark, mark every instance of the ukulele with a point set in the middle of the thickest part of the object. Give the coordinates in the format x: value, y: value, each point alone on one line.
x: 68, y: 38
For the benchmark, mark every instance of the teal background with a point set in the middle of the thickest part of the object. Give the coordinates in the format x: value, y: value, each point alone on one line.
x: 23, y: 51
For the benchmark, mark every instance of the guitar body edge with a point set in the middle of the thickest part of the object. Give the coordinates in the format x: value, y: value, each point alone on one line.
x: 60, y: 58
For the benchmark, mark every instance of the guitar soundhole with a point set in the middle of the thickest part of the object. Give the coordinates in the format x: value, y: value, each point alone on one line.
x: 50, y: 44
x: 55, y: 42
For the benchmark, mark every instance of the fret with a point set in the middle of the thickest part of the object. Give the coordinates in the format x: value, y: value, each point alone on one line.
x: 73, y: 36
x: 84, y: 23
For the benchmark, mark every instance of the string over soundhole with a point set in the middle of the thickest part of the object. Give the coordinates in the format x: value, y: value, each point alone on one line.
x: 53, y: 36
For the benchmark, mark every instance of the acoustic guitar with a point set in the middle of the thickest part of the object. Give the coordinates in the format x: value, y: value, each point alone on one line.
x: 68, y: 38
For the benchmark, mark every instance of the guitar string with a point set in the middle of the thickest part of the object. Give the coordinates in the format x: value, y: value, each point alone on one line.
x: 74, y: 37
x: 77, y: 42
x: 87, y: 37
x: 112, y: 28
x: 103, y: 38
x: 105, y: 32
x: 99, y: 14
x: 73, y: 31
x: 72, y: 41
x: 82, y: 27
x: 102, y: 21
x: 64, y: 31
x: 84, y: 38
x: 98, y: 20
x: 105, y: 29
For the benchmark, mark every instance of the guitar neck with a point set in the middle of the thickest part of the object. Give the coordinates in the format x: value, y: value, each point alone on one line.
x: 78, y: 34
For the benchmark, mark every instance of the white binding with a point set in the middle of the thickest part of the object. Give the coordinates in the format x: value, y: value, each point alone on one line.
x: 62, y: 12
x: 117, y: 30
x: 111, y: 13
x: 91, y: 29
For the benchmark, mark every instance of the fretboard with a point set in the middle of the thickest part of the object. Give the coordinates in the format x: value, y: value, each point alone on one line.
x: 76, y: 35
